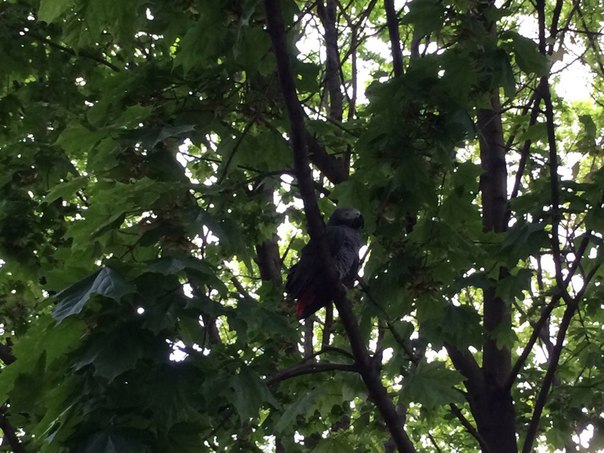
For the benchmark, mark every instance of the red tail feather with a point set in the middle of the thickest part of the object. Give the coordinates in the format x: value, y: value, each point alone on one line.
x: 305, y: 301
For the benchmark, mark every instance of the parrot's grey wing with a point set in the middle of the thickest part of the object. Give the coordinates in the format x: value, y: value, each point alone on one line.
x: 303, y: 274
x: 344, y: 244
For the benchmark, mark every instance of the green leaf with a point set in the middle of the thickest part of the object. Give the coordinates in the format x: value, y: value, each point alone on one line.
x: 523, y: 239
x: 426, y: 15
x: 204, y: 39
x: 589, y: 126
x: 113, y: 222
x: 460, y: 75
x: 300, y: 406
x: 334, y: 445
x: 527, y: 54
x: 78, y: 140
x: 513, y: 286
x: 51, y: 9
x: 536, y: 132
x: 458, y: 325
x: 504, y: 336
x: 308, y: 77
x: 431, y: 385
x: 114, y: 353
x: 104, y: 282
x: 185, y: 437
x: 44, y: 337
x: 66, y: 189
x: 250, y: 393
x: 504, y: 72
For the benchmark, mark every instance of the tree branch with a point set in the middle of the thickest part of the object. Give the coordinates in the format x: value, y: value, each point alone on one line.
x: 327, y: 14
x: 553, y: 163
x: 10, y: 434
x: 465, y: 363
x: 537, y: 328
x: 333, y: 168
x: 532, y: 340
x: 548, y: 379
x: 6, y: 352
x: 308, y: 368
x: 70, y: 51
x: 524, y: 152
x: 469, y: 427
x: 316, y: 228
x: 395, y: 38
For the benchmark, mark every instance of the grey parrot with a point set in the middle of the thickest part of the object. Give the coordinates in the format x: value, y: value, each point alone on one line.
x: 306, y: 281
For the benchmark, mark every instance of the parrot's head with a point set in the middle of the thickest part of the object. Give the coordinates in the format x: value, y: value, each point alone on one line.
x: 349, y: 217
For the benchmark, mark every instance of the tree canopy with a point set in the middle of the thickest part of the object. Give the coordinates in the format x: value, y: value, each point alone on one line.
x: 162, y: 164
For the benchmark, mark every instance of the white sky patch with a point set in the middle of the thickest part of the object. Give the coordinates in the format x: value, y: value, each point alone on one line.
x: 187, y: 290
x: 184, y: 160
x: 574, y: 80
x: 585, y: 436
x: 574, y: 83
x: 387, y: 355
x: 178, y: 355
x: 583, y: 439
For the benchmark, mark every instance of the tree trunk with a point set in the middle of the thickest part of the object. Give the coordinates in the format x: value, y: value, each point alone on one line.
x: 492, y: 406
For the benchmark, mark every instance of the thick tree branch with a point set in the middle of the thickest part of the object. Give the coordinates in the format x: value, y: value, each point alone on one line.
x: 395, y: 38
x: 465, y: 363
x: 333, y: 168
x: 269, y: 261
x: 327, y: 14
x: 316, y: 228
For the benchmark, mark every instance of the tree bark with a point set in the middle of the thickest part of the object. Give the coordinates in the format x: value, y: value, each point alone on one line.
x: 269, y: 261
x: 395, y: 38
x: 327, y: 14
x: 492, y: 406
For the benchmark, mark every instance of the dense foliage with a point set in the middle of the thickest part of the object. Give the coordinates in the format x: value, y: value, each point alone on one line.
x: 150, y: 207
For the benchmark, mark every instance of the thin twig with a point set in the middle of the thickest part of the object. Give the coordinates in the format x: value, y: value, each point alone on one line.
x: 469, y: 427
x: 70, y: 51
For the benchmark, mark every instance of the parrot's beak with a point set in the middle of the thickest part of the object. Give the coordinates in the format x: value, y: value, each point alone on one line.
x: 361, y: 221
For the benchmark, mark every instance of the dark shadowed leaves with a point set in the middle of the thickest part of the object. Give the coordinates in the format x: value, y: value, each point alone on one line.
x: 250, y: 393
